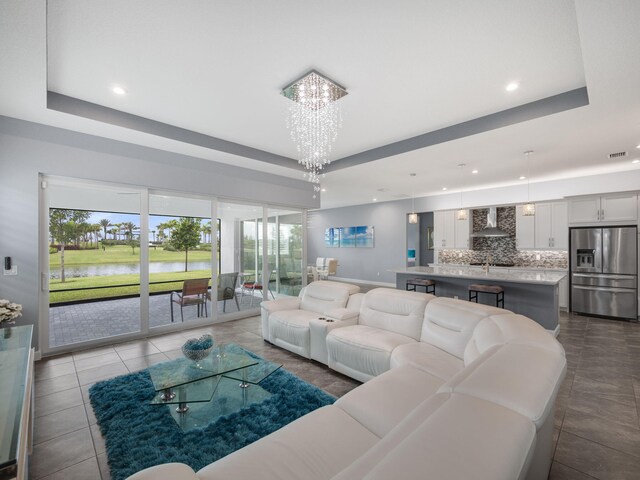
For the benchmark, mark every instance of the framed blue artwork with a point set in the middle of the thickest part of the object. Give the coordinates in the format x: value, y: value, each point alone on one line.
x: 332, y: 237
x: 364, y: 237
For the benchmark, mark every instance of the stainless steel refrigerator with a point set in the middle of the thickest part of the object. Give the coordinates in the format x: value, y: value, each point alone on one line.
x: 604, y: 271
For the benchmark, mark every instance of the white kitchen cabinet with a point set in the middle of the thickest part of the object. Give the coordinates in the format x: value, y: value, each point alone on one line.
x: 559, y: 226
x: 462, y: 229
x: 444, y: 229
x: 548, y: 229
x: 612, y: 208
x: 551, y: 226
x: 525, y: 231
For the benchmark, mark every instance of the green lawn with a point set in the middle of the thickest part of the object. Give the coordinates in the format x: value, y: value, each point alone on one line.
x: 123, y: 254
x: 58, y: 294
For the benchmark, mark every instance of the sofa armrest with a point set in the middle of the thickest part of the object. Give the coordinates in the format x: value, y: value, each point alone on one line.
x: 289, y: 303
x: 166, y: 471
x: 342, y: 314
x: 318, y: 331
x: 270, y: 306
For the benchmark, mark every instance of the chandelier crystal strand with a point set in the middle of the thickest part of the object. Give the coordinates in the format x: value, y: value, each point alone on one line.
x: 314, y: 120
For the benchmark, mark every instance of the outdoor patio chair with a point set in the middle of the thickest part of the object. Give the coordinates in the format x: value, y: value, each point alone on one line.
x: 226, y: 289
x: 194, y: 292
x: 251, y: 283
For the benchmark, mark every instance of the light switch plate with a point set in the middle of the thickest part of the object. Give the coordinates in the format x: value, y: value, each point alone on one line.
x: 12, y: 271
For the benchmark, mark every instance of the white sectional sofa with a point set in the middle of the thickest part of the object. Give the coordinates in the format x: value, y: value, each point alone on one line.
x: 453, y: 391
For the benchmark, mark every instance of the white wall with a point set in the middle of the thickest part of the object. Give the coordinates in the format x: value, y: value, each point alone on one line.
x: 27, y: 149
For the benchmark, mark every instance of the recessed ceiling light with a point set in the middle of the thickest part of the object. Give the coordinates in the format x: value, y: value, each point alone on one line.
x: 375, y: 199
x: 444, y: 188
x: 635, y: 161
x: 323, y: 190
x: 522, y: 177
x: 474, y: 171
x: 512, y: 87
x: 118, y: 90
x: 637, y: 146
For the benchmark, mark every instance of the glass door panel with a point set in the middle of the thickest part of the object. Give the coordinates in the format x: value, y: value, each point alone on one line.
x: 241, y: 256
x: 180, y: 259
x: 94, y: 262
x: 285, y: 250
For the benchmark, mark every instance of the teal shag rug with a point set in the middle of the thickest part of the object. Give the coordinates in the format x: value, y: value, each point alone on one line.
x: 139, y: 435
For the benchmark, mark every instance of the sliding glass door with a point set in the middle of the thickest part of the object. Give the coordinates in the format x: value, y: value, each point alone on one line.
x: 94, y: 262
x: 180, y: 259
x: 119, y: 263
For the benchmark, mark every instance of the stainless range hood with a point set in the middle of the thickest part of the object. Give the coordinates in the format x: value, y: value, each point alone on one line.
x: 491, y: 230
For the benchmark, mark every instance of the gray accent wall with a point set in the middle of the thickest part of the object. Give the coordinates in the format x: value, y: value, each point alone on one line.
x: 28, y: 149
x: 368, y: 264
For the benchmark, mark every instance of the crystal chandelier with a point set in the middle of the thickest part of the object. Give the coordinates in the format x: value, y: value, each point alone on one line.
x: 314, y: 119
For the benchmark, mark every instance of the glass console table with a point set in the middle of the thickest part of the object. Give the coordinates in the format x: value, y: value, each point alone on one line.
x: 222, y: 383
x: 16, y: 407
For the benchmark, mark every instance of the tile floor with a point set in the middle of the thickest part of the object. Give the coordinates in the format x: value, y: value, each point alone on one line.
x: 597, y: 432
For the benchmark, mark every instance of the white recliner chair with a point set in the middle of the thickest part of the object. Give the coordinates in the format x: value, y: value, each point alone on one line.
x: 388, y: 318
x: 286, y: 322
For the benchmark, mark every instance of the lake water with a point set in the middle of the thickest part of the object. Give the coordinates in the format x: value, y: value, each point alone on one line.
x: 79, y: 271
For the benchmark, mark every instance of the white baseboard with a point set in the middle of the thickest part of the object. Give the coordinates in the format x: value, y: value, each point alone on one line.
x: 555, y: 331
x: 366, y: 282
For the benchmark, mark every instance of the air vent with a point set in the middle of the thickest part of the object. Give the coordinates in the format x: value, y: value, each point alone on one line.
x: 383, y: 190
x: 401, y: 195
x: 618, y: 155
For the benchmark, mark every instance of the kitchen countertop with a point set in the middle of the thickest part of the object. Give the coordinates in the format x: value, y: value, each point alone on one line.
x: 510, y: 274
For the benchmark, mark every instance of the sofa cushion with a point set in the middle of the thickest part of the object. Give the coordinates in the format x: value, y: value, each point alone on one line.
x: 316, y: 446
x: 362, y: 349
x: 394, y: 310
x: 524, y: 378
x: 510, y: 328
x: 383, y: 402
x: 290, y: 329
x: 461, y: 437
x: 449, y: 323
x: 320, y: 296
x: 428, y: 358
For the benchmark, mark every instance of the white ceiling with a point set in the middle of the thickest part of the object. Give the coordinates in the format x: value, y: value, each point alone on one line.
x: 410, y: 67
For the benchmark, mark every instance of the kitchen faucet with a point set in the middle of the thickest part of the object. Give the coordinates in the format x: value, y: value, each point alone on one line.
x: 489, y: 259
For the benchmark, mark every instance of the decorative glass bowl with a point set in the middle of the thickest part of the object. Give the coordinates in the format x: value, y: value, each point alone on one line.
x: 196, y: 349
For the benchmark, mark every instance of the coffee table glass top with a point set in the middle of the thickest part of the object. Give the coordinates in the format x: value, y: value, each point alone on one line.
x: 228, y: 398
x: 198, y: 391
x: 223, y: 383
x: 182, y: 371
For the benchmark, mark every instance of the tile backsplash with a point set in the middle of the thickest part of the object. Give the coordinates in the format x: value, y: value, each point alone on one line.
x: 520, y: 258
x: 503, y: 249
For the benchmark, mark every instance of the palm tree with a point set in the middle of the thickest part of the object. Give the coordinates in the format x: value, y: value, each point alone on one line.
x: 96, y: 228
x: 205, y: 228
x: 105, y: 223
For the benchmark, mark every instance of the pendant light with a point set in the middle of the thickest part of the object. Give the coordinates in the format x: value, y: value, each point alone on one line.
x: 413, y: 216
x: 462, y: 213
x: 528, y: 209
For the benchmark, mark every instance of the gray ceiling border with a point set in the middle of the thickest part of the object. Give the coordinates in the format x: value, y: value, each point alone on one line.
x: 74, y: 106
x: 529, y: 111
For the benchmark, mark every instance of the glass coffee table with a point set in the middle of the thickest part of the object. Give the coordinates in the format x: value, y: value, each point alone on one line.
x: 223, y: 383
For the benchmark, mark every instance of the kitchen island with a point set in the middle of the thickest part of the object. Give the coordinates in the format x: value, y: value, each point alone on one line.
x: 530, y: 293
